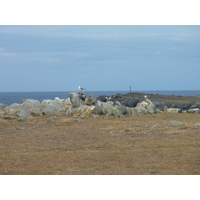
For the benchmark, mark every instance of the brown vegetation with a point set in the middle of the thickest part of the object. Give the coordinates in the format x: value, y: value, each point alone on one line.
x: 132, y: 145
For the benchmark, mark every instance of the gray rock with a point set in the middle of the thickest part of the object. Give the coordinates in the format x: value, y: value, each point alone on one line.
x: 32, y: 104
x: 146, y: 107
x: 91, y: 100
x: 99, y: 110
x: 108, y: 104
x: 49, y: 110
x: 174, y: 110
x: 12, y: 111
x: 71, y: 112
x: 151, y: 109
x: 141, y: 110
x: 96, y: 116
x: 175, y: 123
x: 82, y: 109
x: 67, y: 101
x: 120, y: 108
x: 56, y: 103
x: 24, y: 114
x: 2, y: 106
x: 165, y: 109
x: 14, y: 106
x: 194, y: 110
x: 77, y: 98
x: 197, y: 124
x: 132, y: 111
x: 107, y: 116
x: 54, y: 119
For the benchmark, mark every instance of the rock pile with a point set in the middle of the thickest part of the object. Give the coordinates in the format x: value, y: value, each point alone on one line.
x: 77, y: 106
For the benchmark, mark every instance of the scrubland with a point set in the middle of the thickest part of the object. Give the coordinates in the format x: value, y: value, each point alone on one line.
x: 135, y: 145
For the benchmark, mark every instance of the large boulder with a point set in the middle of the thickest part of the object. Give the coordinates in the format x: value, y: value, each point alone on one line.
x: 120, y: 108
x: 91, y: 100
x: 14, y: 109
x: 151, y: 109
x: 99, y: 110
x: 24, y: 114
x: 33, y: 105
x: 77, y: 98
x: 146, y: 107
x: 15, y: 106
x: 49, y: 110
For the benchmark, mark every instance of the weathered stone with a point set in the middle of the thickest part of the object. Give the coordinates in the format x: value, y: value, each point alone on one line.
x: 2, y: 106
x: 175, y: 123
x: 132, y: 111
x: 77, y: 98
x: 71, y: 111
x: 174, y: 110
x: 12, y: 111
x: 67, y: 101
x: 165, y: 109
x: 54, y: 119
x: 24, y: 114
x: 151, y: 109
x: 120, y: 108
x: 107, y: 116
x: 141, y: 110
x: 91, y: 100
x: 49, y: 110
x: 96, y: 116
x: 15, y: 106
x: 195, y: 110
x: 32, y: 104
x: 146, y: 107
x: 99, y: 110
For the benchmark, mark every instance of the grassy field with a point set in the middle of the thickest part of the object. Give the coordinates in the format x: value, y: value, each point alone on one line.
x: 132, y: 145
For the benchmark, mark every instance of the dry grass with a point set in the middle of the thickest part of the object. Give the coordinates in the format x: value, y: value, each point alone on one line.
x: 131, y: 145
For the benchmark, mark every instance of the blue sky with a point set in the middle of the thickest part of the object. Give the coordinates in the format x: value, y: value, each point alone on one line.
x: 60, y: 58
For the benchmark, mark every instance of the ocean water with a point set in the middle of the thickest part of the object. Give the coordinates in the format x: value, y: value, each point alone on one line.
x: 17, y: 97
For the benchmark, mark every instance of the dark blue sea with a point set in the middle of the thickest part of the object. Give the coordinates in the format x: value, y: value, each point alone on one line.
x: 17, y: 97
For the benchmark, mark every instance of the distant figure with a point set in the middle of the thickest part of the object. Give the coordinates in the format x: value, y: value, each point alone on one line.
x: 109, y: 99
x: 146, y: 96
x: 80, y: 88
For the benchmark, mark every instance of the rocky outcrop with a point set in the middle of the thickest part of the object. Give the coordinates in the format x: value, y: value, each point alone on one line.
x: 91, y: 100
x: 24, y: 114
x: 195, y: 110
x: 77, y: 98
x: 99, y: 109
x: 78, y: 106
x: 172, y: 110
x: 160, y: 101
x: 127, y: 100
x: 146, y: 107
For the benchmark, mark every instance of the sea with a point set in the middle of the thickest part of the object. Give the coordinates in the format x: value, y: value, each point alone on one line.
x: 9, y: 98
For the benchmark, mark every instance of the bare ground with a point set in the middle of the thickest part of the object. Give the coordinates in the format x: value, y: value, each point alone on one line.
x: 132, y: 145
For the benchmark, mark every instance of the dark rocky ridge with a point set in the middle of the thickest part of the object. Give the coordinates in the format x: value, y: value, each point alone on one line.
x: 160, y: 101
